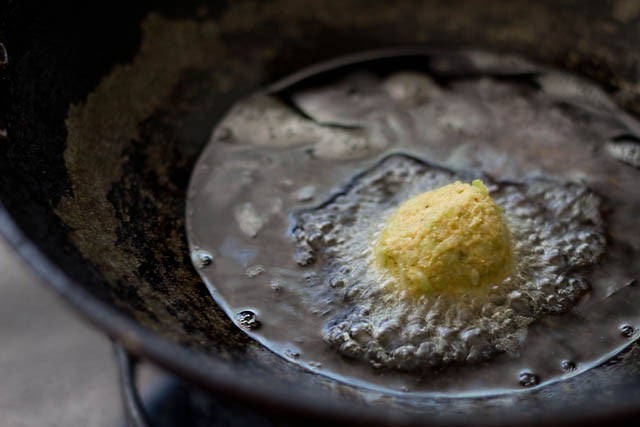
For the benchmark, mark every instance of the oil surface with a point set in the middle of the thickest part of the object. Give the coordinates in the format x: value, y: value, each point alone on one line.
x: 560, y: 155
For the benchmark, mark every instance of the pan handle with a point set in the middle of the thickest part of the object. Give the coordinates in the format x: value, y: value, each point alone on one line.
x: 135, y: 414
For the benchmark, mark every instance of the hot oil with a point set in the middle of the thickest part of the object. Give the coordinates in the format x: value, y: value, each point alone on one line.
x: 308, y: 138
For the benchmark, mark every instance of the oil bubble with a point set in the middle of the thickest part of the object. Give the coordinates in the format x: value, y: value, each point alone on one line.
x: 291, y: 353
x: 336, y: 282
x: 248, y: 319
x: 627, y: 331
x: 567, y: 366
x: 527, y: 379
x: 304, y: 256
x: 202, y: 259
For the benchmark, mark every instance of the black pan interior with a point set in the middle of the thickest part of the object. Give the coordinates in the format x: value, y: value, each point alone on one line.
x: 107, y: 105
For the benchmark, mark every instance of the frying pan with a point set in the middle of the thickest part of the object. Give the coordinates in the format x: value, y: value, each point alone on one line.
x: 105, y: 107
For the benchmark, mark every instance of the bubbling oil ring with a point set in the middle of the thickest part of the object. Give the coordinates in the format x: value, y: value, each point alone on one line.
x: 557, y: 230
